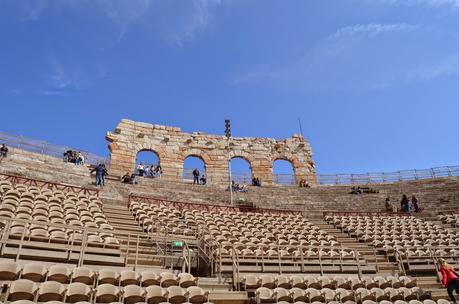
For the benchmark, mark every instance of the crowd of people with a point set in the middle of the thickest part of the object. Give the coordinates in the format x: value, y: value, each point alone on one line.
x: 129, y: 178
x: 235, y: 187
x: 149, y: 170
x: 361, y: 190
x: 407, y: 205
x: 72, y: 156
x: 3, y: 151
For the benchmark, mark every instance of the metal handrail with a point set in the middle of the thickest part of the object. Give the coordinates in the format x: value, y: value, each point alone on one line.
x: 45, y: 148
x: 42, y: 184
x: 81, y: 246
x: 235, y: 265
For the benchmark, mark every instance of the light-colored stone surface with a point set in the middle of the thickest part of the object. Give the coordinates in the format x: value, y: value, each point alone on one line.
x: 173, y: 146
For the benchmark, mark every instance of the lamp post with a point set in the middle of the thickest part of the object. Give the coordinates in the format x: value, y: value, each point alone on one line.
x: 228, y: 137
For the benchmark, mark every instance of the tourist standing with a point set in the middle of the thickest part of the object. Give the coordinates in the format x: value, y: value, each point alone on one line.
x: 405, y: 204
x: 196, y: 176
x: 141, y: 169
x: 415, y: 203
x: 3, y: 151
x: 101, y: 171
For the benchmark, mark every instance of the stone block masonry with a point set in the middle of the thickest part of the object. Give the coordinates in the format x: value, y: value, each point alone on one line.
x: 173, y: 146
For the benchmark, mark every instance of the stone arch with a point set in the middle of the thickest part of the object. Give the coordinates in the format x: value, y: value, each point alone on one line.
x: 283, y: 178
x: 237, y: 174
x: 148, y: 157
x: 300, y: 170
x: 207, y: 162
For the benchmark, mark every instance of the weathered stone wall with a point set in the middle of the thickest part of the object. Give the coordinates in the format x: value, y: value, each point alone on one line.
x: 173, y: 146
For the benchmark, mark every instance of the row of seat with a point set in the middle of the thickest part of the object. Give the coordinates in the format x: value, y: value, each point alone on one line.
x: 250, y: 234
x: 25, y: 204
x: 162, y: 220
x: 105, y: 293
x: 319, y: 282
x: 392, y: 232
x: 22, y: 189
x: 428, y: 301
x: 314, y: 253
x: 264, y: 294
x: 451, y: 219
x: 37, y: 272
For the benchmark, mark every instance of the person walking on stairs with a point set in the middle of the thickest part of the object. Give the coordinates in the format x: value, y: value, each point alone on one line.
x: 450, y: 279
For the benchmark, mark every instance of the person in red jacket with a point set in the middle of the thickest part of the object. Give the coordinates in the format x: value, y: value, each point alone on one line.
x: 450, y: 279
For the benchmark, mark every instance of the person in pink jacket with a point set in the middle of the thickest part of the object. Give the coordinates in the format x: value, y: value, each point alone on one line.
x: 450, y: 279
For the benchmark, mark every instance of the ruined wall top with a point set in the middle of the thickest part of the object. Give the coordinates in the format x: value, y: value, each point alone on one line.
x: 172, y: 147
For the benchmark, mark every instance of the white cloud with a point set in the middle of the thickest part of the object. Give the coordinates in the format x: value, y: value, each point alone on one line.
x: 451, y: 3
x: 181, y: 20
x: 62, y: 78
x: 373, y: 29
x: 366, y: 56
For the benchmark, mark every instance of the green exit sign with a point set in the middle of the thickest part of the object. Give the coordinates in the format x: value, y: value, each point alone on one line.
x: 177, y: 243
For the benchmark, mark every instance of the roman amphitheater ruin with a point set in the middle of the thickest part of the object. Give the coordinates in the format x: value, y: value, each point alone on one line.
x: 165, y: 240
x: 172, y: 147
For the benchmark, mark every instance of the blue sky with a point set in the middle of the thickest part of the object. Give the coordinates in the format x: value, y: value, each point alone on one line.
x: 375, y: 82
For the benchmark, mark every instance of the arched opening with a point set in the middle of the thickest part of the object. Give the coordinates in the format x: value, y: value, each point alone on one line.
x: 192, y: 163
x: 146, y: 164
x: 241, y: 170
x: 283, y: 172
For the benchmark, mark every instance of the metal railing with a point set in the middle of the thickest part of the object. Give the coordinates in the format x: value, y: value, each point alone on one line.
x: 14, y: 180
x: 45, y: 148
x: 77, y: 251
x: 42, y: 147
x: 206, y: 207
x: 387, y: 177
x: 284, y: 264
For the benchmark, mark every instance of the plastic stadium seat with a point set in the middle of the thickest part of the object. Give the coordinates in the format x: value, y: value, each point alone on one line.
x: 298, y: 281
x: 77, y: 292
x: 35, y: 272
x: 59, y: 273
x: 107, y: 293
x: 83, y: 275
x: 129, y: 277
x: 148, y: 278
x: 156, y: 294
x: 314, y: 295
x: 24, y: 302
x: 168, y: 279
x: 250, y: 282
x: 21, y: 290
x: 196, y: 295
x: 264, y: 295
x: 186, y: 280
x: 9, y: 270
x: 284, y: 281
x: 133, y: 294
x: 282, y: 294
x: 298, y: 295
x: 108, y: 276
x: 176, y: 295
x: 51, y: 291
x: 268, y: 281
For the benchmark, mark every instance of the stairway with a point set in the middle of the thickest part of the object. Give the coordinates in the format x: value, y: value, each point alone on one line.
x: 371, y: 256
x: 123, y: 222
